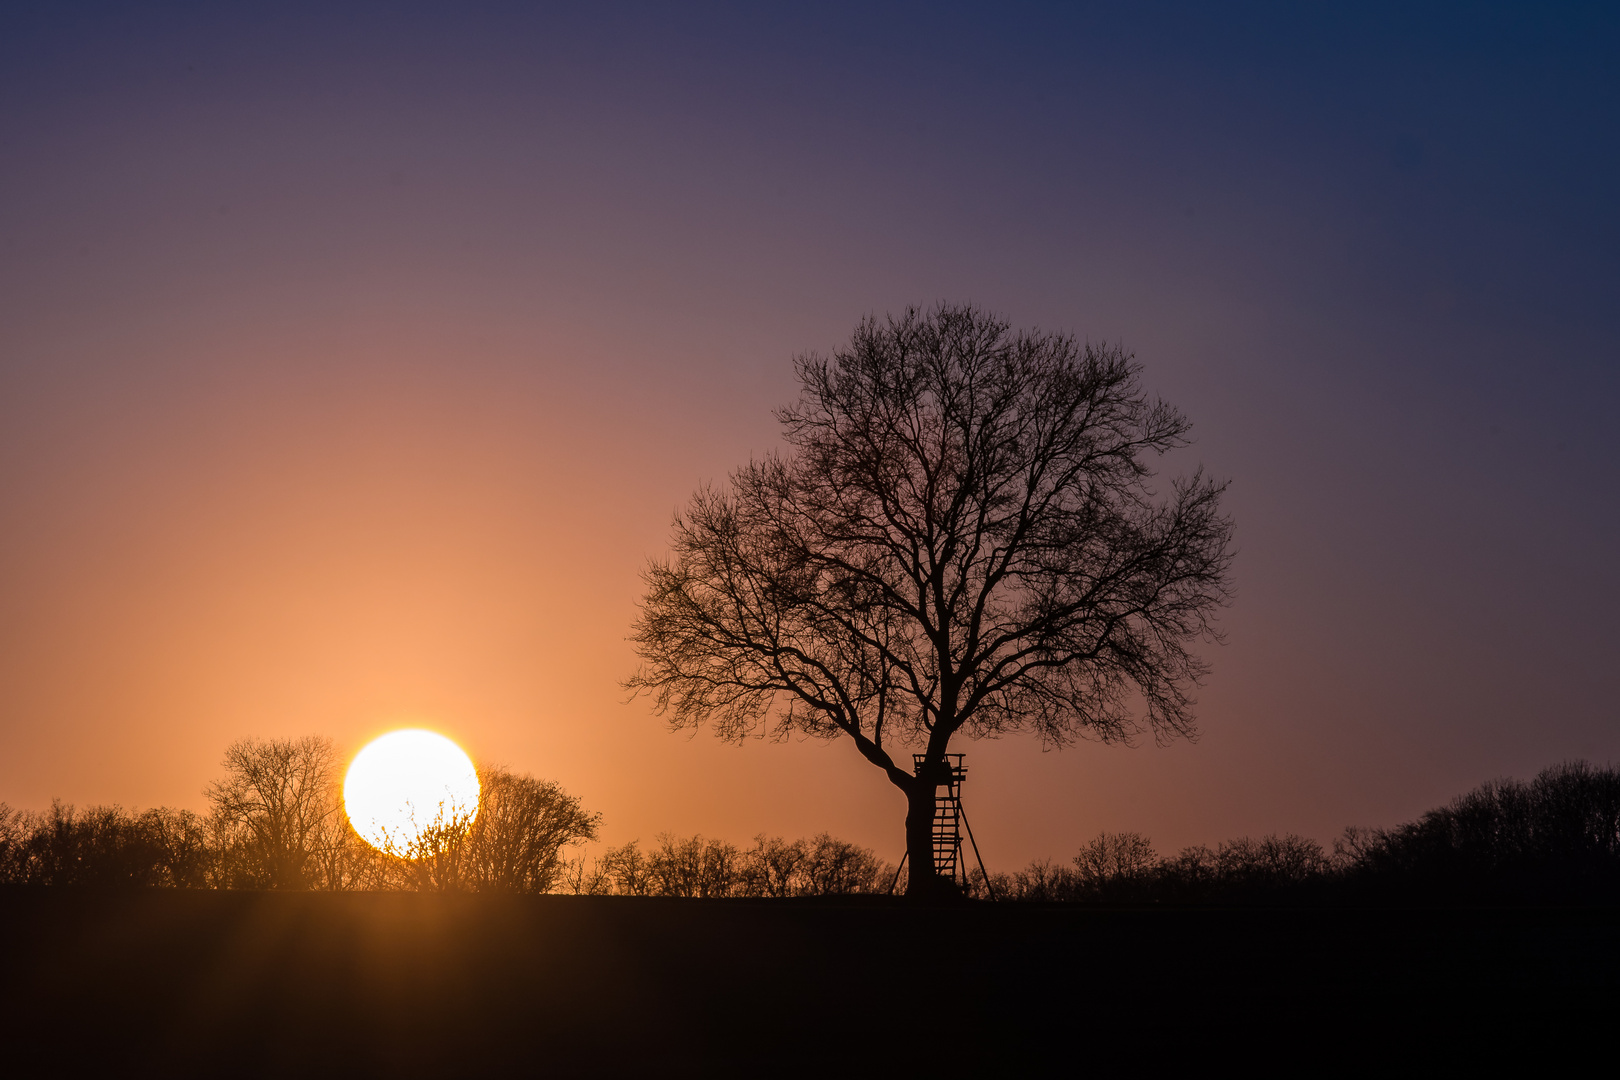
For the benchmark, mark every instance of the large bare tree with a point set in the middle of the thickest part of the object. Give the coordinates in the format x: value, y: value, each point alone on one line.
x: 961, y: 539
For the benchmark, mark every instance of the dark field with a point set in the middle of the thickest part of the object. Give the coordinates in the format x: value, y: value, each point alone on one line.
x: 410, y: 984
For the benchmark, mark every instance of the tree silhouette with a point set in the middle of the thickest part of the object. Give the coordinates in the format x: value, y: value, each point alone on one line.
x: 1556, y: 837
x: 961, y: 539
x: 1114, y: 857
x: 104, y: 847
x: 522, y: 826
x: 276, y: 809
x: 696, y: 867
x: 512, y: 841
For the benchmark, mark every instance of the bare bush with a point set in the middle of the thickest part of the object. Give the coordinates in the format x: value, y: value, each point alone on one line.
x: 343, y: 862
x: 180, y: 841
x: 772, y: 866
x: 14, y: 832
x: 1042, y: 880
x: 1193, y: 871
x: 699, y: 867
x: 272, y: 811
x: 104, y: 847
x: 1114, y: 857
x: 583, y: 877
x: 437, y: 856
x: 694, y: 867
x: 1123, y: 868
x: 523, y: 825
x: 1271, y: 860
x: 834, y: 867
x: 627, y: 872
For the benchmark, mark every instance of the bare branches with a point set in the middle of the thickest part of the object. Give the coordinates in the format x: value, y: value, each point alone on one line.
x: 695, y: 867
x: 275, y: 804
x: 961, y: 536
x: 523, y: 824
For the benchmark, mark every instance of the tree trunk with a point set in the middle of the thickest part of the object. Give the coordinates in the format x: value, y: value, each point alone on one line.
x: 923, y: 883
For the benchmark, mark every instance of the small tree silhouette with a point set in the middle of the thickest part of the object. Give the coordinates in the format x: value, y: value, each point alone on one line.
x: 696, y: 867
x: 522, y: 827
x: 430, y: 851
x: 275, y: 810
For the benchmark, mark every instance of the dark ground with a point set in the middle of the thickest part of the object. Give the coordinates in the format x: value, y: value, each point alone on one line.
x: 404, y: 984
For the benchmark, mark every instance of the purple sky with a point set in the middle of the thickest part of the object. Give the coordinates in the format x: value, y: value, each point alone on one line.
x: 352, y: 365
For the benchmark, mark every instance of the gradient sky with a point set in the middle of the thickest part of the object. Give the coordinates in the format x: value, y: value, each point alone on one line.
x: 351, y: 366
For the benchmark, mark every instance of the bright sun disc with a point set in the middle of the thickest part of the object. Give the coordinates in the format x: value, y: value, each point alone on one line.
x: 405, y: 785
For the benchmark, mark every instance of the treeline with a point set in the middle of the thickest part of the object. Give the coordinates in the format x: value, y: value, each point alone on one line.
x: 695, y: 867
x: 276, y: 821
x: 1555, y: 838
x: 1123, y: 868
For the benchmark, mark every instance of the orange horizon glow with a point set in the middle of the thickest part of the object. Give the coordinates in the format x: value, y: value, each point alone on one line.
x: 352, y: 366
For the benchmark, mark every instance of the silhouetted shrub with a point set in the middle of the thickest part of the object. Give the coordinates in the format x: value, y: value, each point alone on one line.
x: 1245, y: 869
x: 772, y: 866
x: 625, y: 872
x: 1113, y: 857
x: 1123, y: 868
x: 276, y: 814
x: 1041, y: 880
x: 13, y: 844
x: 104, y: 847
x: 513, y: 843
x: 836, y: 867
x: 695, y: 867
x: 523, y: 824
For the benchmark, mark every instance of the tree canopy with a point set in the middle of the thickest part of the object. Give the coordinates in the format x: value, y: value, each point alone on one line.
x: 961, y: 536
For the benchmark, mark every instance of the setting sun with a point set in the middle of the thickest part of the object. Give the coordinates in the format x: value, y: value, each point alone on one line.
x: 407, y: 785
